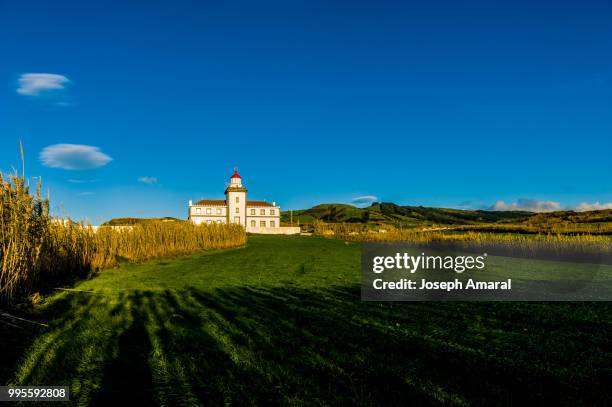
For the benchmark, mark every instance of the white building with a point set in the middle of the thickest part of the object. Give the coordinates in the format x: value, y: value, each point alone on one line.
x: 255, y: 216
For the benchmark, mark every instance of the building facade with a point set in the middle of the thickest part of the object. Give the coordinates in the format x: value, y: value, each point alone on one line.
x: 255, y: 216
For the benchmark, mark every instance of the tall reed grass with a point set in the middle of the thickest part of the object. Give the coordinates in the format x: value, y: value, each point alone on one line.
x: 38, y: 250
x: 24, y: 225
x: 157, y: 239
x: 526, y: 244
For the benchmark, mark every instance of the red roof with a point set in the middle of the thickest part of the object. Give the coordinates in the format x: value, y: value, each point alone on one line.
x: 236, y: 175
x: 211, y: 202
x: 258, y: 203
x: 221, y: 202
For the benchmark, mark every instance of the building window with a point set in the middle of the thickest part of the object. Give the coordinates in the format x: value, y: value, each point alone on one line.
x: 218, y: 211
x: 237, y: 199
x: 252, y: 211
x: 262, y: 224
x: 262, y: 211
x: 253, y: 223
x: 236, y: 219
x: 272, y: 224
x: 208, y: 211
x: 271, y: 211
x: 198, y: 211
x: 237, y: 210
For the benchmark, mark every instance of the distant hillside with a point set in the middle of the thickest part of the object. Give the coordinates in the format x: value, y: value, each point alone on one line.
x: 412, y: 216
x: 135, y: 221
x: 400, y: 215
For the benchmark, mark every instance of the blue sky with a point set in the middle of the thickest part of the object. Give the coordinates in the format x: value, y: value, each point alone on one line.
x: 422, y: 103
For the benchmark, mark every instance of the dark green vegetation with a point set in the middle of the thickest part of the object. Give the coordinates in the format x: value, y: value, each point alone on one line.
x: 593, y: 222
x: 280, y: 322
x: 395, y: 214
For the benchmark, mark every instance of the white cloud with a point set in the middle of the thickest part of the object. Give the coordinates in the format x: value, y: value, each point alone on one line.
x: 34, y: 84
x: 364, y: 200
x: 73, y: 157
x: 596, y: 206
x: 86, y: 193
x: 529, y: 205
x: 148, y: 180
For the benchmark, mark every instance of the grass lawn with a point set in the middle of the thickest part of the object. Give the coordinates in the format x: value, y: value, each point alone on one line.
x: 280, y: 322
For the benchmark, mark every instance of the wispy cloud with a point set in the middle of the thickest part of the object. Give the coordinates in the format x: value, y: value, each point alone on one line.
x: 86, y: 193
x: 35, y: 84
x: 148, y: 180
x: 81, y: 181
x: 364, y: 200
x: 596, y: 206
x: 73, y: 157
x: 529, y: 205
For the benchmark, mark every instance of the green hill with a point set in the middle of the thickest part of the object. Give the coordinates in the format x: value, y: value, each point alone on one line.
x: 400, y: 215
x: 419, y: 216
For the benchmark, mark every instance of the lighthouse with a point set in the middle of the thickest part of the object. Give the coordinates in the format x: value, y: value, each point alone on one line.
x: 255, y: 216
x: 235, y: 194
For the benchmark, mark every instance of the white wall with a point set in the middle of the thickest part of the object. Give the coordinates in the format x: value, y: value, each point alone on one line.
x: 204, y: 217
x: 285, y: 230
x: 266, y: 209
x: 207, y: 219
x: 193, y: 210
x: 258, y: 217
x: 232, y: 206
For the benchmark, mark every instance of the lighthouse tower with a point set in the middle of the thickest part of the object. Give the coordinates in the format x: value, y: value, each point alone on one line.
x: 235, y: 194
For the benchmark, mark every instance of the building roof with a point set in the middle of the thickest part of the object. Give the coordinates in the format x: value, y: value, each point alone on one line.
x: 258, y: 203
x: 236, y: 175
x: 222, y: 202
x: 211, y: 202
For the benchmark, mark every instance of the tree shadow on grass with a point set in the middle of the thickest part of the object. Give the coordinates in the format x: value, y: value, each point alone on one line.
x: 327, y: 345
x: 127, y: 375
x: 16, y: 340
x: 270, y: 346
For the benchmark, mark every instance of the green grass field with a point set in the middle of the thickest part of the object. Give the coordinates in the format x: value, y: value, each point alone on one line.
x: 281, y: 322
